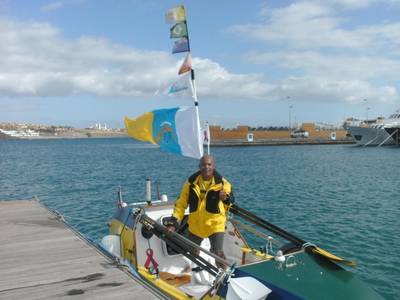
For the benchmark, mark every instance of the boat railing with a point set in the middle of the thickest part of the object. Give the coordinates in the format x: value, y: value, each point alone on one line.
x: 162, y: 200
x: 372, y: 140
x: 394, y: 132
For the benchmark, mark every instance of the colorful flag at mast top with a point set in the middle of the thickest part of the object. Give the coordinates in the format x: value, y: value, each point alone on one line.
x: 181, y: 45
x: 176, y: 14
x: 179, y: 30
x: 177, y: 17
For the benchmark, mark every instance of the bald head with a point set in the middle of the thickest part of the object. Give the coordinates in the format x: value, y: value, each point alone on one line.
x: 207, y: 167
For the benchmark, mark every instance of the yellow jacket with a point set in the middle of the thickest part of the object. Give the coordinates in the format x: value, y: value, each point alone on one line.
x: 207, y: 215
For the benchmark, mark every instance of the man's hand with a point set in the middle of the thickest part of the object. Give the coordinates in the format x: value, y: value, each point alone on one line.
x: 227, y: 199
x: 171, y: 224
x: 171, y: 228
x: 222, y: 195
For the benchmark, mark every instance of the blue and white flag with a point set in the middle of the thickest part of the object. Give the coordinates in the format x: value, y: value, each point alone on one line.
x: 183, y: 83
x: 176, y: 130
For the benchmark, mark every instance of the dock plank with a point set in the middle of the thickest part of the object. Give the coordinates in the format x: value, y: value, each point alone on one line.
x: 42, y: 258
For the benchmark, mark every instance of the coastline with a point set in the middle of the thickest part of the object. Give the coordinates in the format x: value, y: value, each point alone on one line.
x: 214, y: 143
x: 81, y: 134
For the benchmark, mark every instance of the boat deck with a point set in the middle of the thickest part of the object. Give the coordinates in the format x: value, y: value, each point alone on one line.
x: 41, y: 257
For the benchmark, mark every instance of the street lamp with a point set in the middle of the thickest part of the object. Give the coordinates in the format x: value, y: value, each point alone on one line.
x: 290, y: 116
x: 366, y: 110
x: 290, y: 120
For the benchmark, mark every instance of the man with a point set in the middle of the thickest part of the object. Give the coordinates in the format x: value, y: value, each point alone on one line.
x: 208, y: 196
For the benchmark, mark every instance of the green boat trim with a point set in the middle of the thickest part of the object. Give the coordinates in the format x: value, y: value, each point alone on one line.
x: 313, y: 277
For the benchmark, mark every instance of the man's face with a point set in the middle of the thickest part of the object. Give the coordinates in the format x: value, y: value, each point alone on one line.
x: 207, y: 167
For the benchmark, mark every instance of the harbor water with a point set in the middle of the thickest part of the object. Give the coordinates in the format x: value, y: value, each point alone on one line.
x: 343, y: 198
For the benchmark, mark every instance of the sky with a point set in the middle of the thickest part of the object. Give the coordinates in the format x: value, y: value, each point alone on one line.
x: 257, y: 63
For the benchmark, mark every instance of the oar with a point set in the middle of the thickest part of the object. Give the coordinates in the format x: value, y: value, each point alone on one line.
x: 265, y: 224
x: 330, y: 256
x: 180, y: 244
x: 249, y: 216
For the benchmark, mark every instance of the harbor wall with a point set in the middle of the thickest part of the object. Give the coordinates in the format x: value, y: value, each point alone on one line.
x: 241, y: 131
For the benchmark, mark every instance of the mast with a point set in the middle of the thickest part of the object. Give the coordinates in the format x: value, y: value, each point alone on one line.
x: 194, y: 90
x: 179, y: 30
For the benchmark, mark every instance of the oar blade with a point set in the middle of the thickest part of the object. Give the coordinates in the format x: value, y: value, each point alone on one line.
x: 333, y: 257
x: 249, y: 216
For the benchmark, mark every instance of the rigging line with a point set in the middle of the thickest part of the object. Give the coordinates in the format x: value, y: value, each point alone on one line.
x: 257, y: 232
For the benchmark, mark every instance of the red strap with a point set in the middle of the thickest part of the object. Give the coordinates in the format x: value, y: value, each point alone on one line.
x: 150, y: 259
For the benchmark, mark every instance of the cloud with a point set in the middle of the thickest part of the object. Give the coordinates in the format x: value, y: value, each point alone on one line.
x: 56, y: 5
x: 217, y: 82
x: 329, y: 65
x: 319, y: 89
x: 310, y: 25
x: 350, y: 4
x: 300, y: 25
x: 38, y: 61
x: 332, y: 56
x: 52, y: 6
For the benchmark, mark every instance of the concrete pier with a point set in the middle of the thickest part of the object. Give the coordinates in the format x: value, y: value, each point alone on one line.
x: 41, y: 257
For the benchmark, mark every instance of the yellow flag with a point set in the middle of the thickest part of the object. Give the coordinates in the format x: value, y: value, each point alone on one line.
x: 176, y: 14
x: 141, y: 128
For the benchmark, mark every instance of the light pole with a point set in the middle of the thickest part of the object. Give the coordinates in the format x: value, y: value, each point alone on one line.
x: 290, y: 116
x: 366, y: 110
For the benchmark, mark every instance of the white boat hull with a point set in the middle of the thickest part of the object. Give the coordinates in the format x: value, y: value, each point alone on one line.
x: 368, y: 136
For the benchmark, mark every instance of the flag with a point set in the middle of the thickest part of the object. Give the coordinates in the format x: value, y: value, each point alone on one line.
x: 183, y: 83
x: 207, y: 137
x: 181, y: 45
x: 176, y: 130
x: 182, y: 87
x: 186, y: 65
x: 176, y: 14
x: 178, y: 30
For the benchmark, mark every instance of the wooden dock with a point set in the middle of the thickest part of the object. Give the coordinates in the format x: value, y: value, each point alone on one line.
x: 41, y: 257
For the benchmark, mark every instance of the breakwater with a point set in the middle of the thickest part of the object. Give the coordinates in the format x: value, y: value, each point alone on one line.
x: 280, y: 142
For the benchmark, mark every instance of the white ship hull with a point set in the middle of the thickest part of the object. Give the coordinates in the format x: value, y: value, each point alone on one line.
x: 21, y: 133
x: 369, y: 136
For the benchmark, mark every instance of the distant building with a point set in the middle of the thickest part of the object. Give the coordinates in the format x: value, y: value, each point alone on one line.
x: 99, y: 126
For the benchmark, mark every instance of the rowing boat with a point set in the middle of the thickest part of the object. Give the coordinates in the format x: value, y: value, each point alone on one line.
x: 280, y: 266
